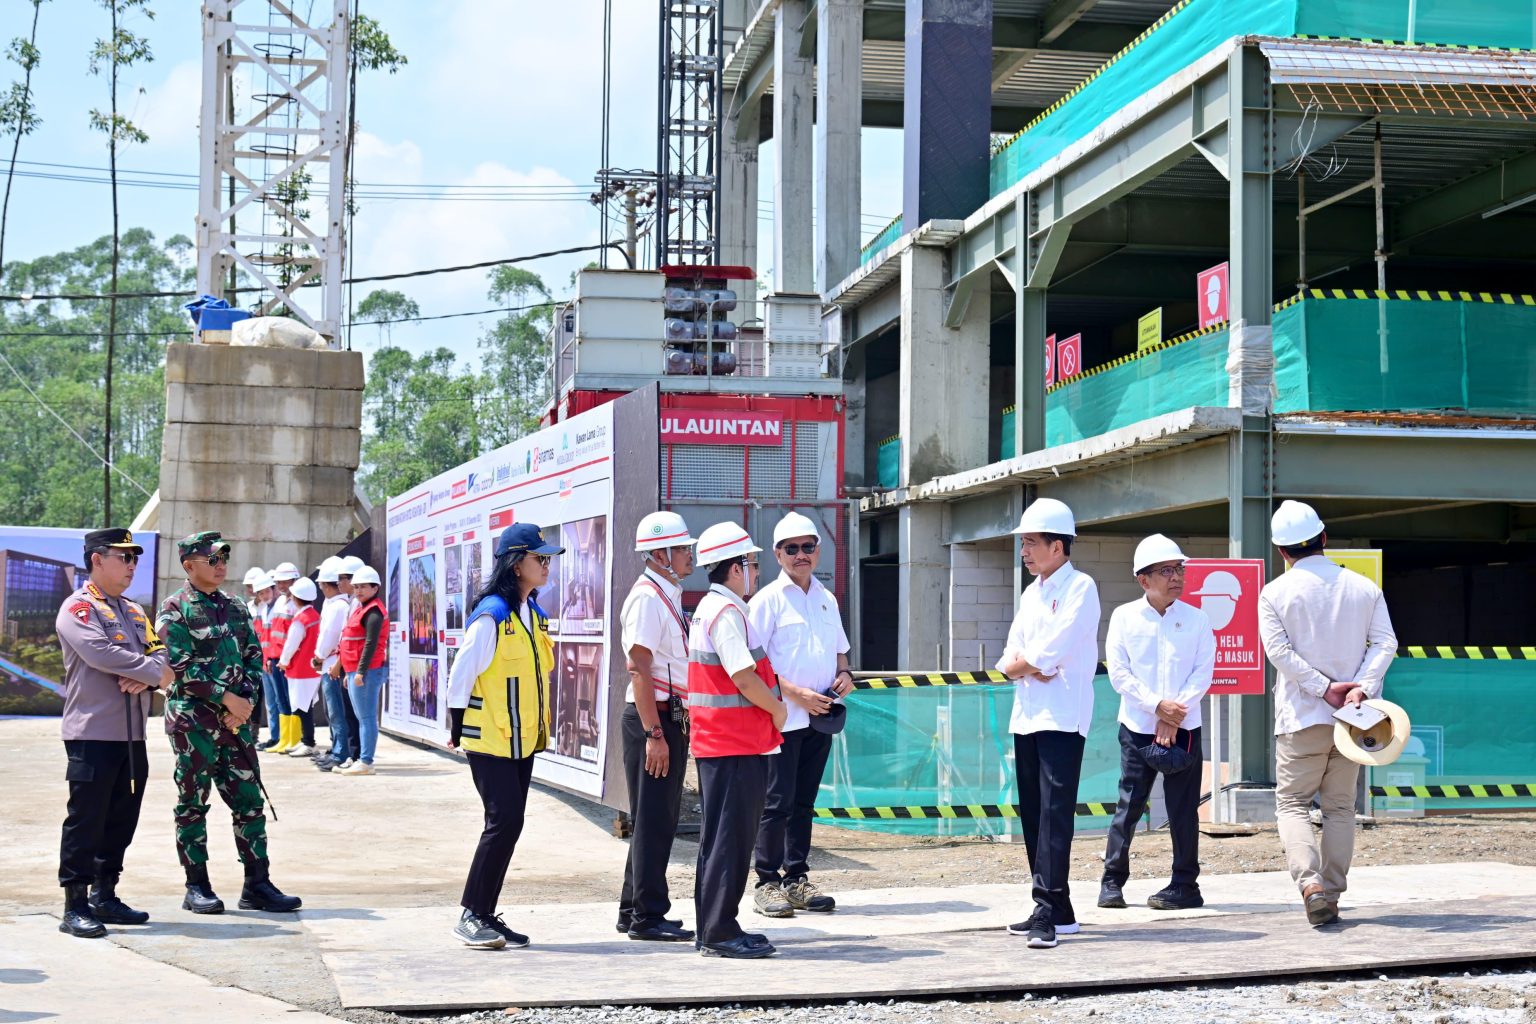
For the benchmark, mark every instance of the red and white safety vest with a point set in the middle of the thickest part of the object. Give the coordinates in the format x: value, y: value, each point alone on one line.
x: 259, y: 624
x: 723, y: 722
x: 354, y: 636
x: 277, y: 627
x: 301, y: 665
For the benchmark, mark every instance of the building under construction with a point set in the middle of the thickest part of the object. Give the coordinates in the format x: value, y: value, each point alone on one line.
x: 1170, y: 263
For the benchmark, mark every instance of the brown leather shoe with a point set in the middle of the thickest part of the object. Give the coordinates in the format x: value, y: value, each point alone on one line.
x: 1319, y: 910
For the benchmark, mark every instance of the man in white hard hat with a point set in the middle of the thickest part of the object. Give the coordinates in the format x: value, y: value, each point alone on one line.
x: 279, y: 615
x: 251, y: 576
x: 346, y: 568
x: 797, y: 620
x: 266, y: 593
x: 338, y: 707
x: 1327, y: 633
x: 1161, y: 653
x: 1052, y: 655
x: 654, y: 726
x: 735, y: 715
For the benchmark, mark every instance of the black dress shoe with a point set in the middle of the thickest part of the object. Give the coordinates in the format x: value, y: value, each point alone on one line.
x: 259, y: 893
x: 666, y: 931
x: 622, y: 926
x: 200, y: 898
x: 1111, y: 897
x: 108, y: 909
x: 737, y: 949
x: 78, y: 920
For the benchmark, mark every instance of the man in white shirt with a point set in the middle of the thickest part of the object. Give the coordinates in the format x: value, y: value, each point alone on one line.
x: 1161, y: 653
x: 1052, y: 656
x: 1327, y: 633
x: 797, y: 620
x: 654, y: 634
x: 333, y: 616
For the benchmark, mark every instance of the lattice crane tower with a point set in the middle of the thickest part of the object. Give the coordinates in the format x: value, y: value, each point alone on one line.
x: 271, y: 199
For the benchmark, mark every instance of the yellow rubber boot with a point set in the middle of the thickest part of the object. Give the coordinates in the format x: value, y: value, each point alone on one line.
x: 288, y: 734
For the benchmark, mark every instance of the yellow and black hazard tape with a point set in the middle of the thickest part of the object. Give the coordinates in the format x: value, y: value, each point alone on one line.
x: 912, y: 679
x: 1468, y: 47
x: 1091, y: 809
x: 1470, y: 653
x: 1464, y: 791
x: 1406, y: 295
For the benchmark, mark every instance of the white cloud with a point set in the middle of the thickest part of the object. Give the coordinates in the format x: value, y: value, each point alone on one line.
x: 168, y: 111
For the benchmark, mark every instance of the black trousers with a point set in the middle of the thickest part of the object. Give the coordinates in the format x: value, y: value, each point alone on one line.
x: 732, y: 790
x: 503, y: 784
x: 1182, y: 793
x: 1049, y: 765
x: 306, y: 726
x: 354, y: 749
x: 103, y: 814
x: 784, y: 834
x: 654, y: 806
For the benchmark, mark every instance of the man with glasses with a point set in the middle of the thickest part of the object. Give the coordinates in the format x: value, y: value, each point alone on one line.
x: 217, y: 659
x: 796, y: 619
x: 1161, y: 653
x: 735, y: 715
x: 111, y: 657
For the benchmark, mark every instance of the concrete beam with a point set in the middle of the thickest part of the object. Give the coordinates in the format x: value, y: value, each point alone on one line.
x: 839, y: 52
x: 794, y: 261
x: 1406, y: 465
x: 1187, y: 477
x: 891, y: 113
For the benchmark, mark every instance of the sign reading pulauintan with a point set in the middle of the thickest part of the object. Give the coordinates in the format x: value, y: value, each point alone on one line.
x: 1149, y: 330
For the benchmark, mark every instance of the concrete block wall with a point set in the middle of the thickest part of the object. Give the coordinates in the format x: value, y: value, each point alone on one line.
x: 261, y: 444
x: 1108, y: 560
x: 981, y: 603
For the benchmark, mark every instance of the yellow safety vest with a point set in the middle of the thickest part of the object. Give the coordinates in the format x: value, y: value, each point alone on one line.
x: 508, y: 713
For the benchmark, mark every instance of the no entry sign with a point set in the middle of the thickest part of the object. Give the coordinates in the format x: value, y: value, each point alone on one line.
x: 1227, y: 590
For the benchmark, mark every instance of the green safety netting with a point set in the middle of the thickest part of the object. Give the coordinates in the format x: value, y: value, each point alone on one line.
x: 1195, y: 28
x: 1007, y: 446
x: 946, y: 746
x: 1393, y: 354
x: 888, y: 463
x: 1177, y: 376
x: 1471, y: 726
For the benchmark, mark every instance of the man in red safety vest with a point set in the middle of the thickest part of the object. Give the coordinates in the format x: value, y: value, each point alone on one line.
x: 735, y: 715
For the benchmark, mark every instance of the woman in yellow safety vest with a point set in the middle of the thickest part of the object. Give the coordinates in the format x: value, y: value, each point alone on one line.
x: 498, y: 706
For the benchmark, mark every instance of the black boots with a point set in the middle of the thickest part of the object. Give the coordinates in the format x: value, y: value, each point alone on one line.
x: 259, y: 893
x: 200, y: 898
x: 108, y: 909
x: 78, y: 919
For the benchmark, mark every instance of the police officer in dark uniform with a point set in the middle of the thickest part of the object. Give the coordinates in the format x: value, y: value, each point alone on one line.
x: 112, y: 657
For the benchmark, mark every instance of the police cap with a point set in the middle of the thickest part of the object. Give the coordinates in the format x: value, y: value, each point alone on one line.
x: 112, y: 537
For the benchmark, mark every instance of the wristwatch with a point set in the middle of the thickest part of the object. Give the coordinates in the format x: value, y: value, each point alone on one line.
x: 655, y: 732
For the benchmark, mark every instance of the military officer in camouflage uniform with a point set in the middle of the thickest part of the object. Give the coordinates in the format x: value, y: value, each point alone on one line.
x: 217, y: 660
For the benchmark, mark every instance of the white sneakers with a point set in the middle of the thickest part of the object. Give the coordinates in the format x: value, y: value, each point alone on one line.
x: 357, y: 768
x: 302, y: 750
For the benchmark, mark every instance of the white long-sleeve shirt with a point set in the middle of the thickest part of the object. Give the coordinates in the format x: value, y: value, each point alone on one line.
x: 1056, y: 629
x: 476, y: 649
x: 1153, y: 658
x: 803, y: 634
x: 333, y: 617
x: 1322, y: 624
x: 296, y: 633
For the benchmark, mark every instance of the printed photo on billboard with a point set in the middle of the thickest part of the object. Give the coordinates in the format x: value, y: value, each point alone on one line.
x: 474, y: 575
x: 392, y: 599
x: 584, y: 576
x: 574, y: 709
x: 424, y: 689
x: 548, y: 597
x: 423, y: 605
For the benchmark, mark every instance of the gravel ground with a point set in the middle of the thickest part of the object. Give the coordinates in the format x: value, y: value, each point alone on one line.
x: 1504, y: 996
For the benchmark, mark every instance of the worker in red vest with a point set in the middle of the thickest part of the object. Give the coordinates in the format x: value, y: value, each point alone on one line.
x: 363, y: 652
x: 266, y: 593
x: 279, y: 614
x: 297, y: 662
x: 735, y: 715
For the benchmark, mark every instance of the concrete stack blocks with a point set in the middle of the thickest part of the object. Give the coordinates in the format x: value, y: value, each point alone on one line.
x: 261, y: 444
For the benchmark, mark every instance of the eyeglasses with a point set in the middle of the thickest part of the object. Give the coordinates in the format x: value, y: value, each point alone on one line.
x: 1167, y: 572
x: 749, y: 563
x: 809, y: 547
x: 128, y: 557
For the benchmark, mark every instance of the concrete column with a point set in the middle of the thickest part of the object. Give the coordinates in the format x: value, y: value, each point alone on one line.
x: 948, y: 109
x: 739, y: 139
x: 839, y: 97
x: 923, y: 586
x: 1029, y: 368
x: 794, y: 263
x: 855, y: 422
x: 944, y: 374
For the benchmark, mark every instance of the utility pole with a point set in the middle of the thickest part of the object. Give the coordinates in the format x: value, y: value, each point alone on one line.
x: 631, y: 238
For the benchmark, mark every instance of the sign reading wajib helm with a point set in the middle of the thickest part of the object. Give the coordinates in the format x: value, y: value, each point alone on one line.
x: 440, y: 541
x: 1227, y: 590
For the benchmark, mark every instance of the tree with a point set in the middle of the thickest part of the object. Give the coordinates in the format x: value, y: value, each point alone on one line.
x: 384, y: 307
x: 121, y: 49
x: 424, y: 419
x: 515, y: 356
x: 18, y: 114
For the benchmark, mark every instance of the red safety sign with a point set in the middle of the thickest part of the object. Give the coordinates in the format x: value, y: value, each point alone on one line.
x: 1050, y: 359
x: 1212, y: 295
x: 1227, y: 590
x: 1069, y: 357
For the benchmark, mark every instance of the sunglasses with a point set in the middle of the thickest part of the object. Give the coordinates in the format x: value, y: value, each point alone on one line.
x: 128, y: 557
x: 544, y: 560
x: 214, y: 561
x: 809, y: 547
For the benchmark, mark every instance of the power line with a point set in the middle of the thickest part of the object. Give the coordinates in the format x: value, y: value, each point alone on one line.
x: 350, y: 323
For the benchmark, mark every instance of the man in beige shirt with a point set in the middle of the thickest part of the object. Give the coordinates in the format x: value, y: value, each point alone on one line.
x: 1327, y: 632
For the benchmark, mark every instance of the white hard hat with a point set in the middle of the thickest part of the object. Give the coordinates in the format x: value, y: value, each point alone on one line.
x: 1155, y: 549
x: 1047, y: 515
x: 304, y: 589
x: 286, y: 571
x: 1294, y: 522
x: 723, y: 542
x: 263, y: 582
x: 1379, y: 745
x: 253, y: 574
x: 367, y: 574
x: 662, y: 530
x: 794, y: 525
x: 350, y: 565
x: 329, y: 570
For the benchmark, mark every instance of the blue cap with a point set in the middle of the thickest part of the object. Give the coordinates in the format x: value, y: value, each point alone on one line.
x: 524, y: 537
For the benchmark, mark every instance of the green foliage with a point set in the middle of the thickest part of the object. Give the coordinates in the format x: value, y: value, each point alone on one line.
x: 372, y: 49
x: 383, y: 306
x: 515, y: 356
x: 120, y: 49
x: 48, y: 477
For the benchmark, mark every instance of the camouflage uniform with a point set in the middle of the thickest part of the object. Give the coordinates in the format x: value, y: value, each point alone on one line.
x: 213, y: 650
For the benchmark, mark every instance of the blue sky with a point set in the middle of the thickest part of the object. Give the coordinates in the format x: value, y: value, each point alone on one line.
x: 495, y: 94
